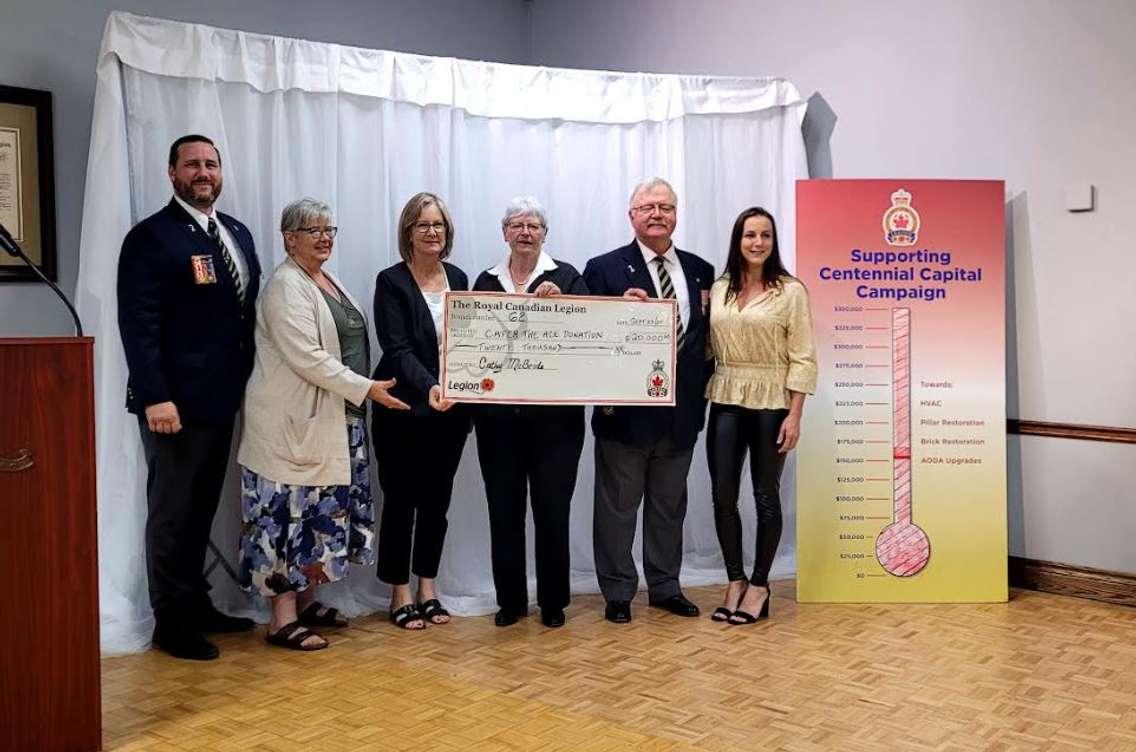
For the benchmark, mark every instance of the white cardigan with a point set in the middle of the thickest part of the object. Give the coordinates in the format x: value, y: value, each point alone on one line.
x: 293, y: 427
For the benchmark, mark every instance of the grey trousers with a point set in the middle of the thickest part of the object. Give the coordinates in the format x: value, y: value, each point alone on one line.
x: 626, y: 475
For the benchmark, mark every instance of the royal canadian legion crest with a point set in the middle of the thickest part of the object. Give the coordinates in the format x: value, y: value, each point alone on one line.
x: 901, y: 221
x: 658, y: 385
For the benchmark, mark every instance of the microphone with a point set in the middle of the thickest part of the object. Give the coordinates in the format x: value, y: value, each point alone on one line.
x: 9, y: 244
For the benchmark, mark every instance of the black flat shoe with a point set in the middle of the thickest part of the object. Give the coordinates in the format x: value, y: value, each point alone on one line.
x: 552, y: 617
x: 182, y: 642
x: 618, y: 612
x: 678, y: 605
x: 434, y: 612
x: 507, y: 617
x: 403, y: 616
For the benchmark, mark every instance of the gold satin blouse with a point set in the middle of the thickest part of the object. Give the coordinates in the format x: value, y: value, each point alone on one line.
x: 763, y: 350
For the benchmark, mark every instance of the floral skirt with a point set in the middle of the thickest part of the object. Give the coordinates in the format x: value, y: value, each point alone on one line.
x: 295, y: 537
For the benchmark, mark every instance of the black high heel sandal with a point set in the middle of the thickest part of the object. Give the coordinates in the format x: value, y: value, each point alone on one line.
x: 740, y: 617
x: 723, y: 614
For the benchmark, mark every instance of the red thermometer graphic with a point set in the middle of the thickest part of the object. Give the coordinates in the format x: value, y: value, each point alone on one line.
x: 903, y: 549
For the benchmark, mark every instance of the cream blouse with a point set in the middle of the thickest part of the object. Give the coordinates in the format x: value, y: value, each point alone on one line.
x: 763, y: 350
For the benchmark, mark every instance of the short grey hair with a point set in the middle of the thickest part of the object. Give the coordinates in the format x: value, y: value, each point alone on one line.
x: 519, y: 206
x: 647, y: 185
x: 303, y: 212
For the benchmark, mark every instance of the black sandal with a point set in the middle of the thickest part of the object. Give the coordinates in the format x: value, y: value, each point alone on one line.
x: 721, y: 614
x: 403, y: 615
x: 319, y: 615
x: 744, y: 617
x: 433, y: 608
x: 292, y: 636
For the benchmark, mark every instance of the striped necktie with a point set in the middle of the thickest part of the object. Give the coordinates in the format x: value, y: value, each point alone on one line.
x: 215, y: 234
x: 668, y: 292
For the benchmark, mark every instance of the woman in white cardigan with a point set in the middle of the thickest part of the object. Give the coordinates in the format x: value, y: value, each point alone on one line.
x: 305, y: 487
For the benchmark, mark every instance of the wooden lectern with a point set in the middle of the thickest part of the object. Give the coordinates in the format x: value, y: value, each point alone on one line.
x: 49, y: 623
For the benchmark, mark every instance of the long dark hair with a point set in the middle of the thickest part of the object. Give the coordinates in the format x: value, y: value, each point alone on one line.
x: 771, y: 271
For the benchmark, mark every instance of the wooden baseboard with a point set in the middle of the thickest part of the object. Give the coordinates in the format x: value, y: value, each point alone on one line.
x: 1071, y: 431
x: 1066, y: 579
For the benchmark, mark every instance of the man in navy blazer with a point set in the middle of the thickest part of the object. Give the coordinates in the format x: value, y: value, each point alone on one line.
x: 644, y: 453
x: 188, y: 277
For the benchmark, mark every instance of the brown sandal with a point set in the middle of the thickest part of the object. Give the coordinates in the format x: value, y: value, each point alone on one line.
x: 319, y: 615
x: 292, y: 636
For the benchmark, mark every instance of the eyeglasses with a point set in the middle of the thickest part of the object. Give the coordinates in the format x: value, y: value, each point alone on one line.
x: 424, y: 227
x: 651, y: 208
x: 532, y: 227
x: 315, y: 232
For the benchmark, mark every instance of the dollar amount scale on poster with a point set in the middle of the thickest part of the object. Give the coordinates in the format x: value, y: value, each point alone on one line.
x: 901, y: 467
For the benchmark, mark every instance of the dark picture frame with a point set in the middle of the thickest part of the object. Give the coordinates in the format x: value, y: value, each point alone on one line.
x: 27, y: 181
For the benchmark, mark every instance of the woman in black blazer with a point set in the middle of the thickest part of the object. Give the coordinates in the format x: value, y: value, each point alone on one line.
x: 535, y: 447
x: 417, y: 450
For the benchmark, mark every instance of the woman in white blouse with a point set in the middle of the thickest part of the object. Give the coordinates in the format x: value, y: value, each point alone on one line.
x: 418, y: 450
x: 764, y: 365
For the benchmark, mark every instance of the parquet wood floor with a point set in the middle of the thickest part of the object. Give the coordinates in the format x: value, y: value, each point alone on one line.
x: 1042, y: 672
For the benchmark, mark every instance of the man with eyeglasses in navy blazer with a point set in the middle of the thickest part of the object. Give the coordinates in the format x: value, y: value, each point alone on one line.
x: 188, y: 278
x: 643, y: 454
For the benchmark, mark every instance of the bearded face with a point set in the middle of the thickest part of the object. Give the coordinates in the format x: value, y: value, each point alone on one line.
x: 196, y: 177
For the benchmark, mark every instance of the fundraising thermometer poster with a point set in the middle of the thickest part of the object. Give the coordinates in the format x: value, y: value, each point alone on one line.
x: 901, y: 487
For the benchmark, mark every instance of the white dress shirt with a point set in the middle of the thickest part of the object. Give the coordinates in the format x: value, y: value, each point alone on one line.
x: 678, y: 279
x: 202, y: 219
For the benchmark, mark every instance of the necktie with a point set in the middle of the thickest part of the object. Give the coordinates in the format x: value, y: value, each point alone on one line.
x: 215, y: 234
x: 668, y: 292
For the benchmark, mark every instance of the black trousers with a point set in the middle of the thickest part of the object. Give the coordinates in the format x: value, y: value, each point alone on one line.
x: 733, y: 431
x: 525, y: 451
x: 185, y: 473
x: 417, y: 456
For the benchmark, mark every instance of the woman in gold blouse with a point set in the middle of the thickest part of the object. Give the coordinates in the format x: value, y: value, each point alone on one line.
x: 764, y: 364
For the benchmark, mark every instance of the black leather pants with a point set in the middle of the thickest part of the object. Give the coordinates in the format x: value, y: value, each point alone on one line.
x: 734, y: 430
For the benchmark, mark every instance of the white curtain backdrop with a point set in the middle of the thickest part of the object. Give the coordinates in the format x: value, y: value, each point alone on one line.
x: 364, y: 130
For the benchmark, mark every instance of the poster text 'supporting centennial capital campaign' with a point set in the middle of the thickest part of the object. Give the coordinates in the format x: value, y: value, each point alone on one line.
x: 901, y: 487
x: 561, y: 350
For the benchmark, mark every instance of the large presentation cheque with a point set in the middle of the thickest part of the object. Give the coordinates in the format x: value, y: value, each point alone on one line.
x: 563, y: 350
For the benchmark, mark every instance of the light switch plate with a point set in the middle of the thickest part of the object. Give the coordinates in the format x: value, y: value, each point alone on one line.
x: 1079, y: 197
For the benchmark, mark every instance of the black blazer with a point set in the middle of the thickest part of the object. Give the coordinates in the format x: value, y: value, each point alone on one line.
x: 614, y: 273
x: 551, y: 417
x: 187, y: 341
x: 406, y: 334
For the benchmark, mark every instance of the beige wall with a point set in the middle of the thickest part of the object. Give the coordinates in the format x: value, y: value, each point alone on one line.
x: 1040, y: 93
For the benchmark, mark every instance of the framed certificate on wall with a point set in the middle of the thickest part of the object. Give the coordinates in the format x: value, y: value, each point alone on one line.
x: 27, y: 182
